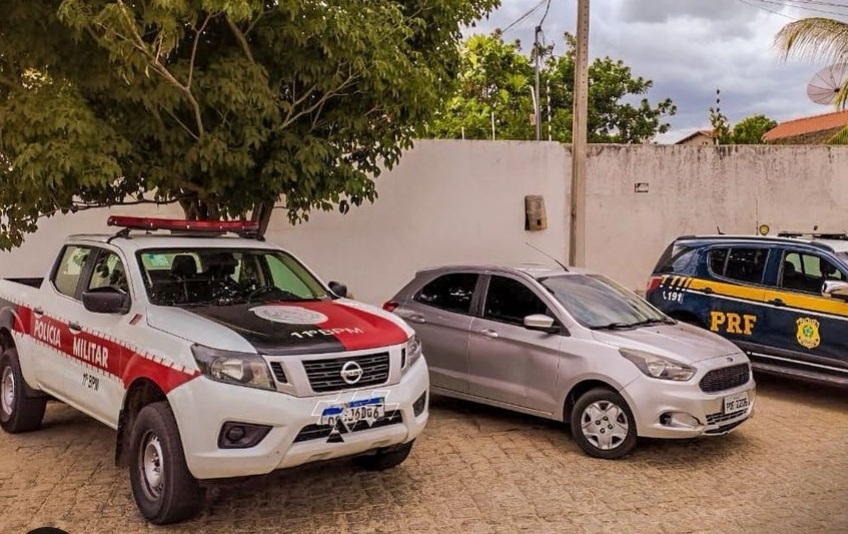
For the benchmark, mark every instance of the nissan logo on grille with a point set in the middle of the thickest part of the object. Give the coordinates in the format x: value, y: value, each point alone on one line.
x: 351, y: 372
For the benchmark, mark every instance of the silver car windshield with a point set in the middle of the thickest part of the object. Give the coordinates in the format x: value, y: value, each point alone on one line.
x: 599, y: 303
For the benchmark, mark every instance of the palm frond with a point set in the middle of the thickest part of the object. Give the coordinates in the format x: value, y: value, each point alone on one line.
x: 839, y: 138
x: 815, y: 38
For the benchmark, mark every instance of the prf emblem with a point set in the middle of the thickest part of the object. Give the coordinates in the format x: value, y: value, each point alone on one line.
x: 732, y: 323
x: 808, y: 333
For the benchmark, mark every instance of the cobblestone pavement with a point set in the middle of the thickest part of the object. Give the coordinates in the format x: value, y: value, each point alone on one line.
x: 478, y: 470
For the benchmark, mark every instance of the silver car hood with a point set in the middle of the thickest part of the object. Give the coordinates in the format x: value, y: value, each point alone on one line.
x: 681, y: 342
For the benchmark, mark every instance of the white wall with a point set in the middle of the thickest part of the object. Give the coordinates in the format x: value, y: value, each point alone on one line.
x: 463, y: 201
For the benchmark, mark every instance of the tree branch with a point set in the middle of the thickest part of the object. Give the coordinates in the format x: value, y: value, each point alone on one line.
x: 194, y: 48
x: 242, y: 40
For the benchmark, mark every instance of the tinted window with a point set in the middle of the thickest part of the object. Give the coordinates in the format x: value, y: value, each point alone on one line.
x: 807, y: 272
x: 109, y: 272
x: 510, y: 301
x: 68, y: 272
x: 451, y: 292
x: 676, y: 259
x: 742, y: 264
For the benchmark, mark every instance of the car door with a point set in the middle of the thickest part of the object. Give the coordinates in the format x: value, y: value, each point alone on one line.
x: 507, y: 362
x: 804, y: 326
x: 98, y: 355
x: 441, y: 315
x: 58, y: 303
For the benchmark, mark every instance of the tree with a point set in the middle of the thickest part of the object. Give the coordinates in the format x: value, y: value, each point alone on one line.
x: 720, y: 124
x: 496, y: 78
x: 819, y: 39
x: 750, y: 130
x: 224, y: 106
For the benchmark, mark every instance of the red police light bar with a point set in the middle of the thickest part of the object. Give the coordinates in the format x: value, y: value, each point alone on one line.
x: 147, y: 223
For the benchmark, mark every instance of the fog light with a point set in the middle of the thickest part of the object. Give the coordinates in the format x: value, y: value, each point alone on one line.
x: 679, y: 420
x: 236, y: 435
x: 419, y: 405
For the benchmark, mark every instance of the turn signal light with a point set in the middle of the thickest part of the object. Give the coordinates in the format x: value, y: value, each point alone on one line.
x: 390, y: 306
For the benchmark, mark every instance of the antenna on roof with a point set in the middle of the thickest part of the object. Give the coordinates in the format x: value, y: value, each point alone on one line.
x: 719, y: 230
x: 564, y: 268
x: 826, y: 83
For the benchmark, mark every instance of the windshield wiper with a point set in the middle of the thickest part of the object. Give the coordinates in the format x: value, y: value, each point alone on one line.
x: 611, y: 326
x: 618, y: 326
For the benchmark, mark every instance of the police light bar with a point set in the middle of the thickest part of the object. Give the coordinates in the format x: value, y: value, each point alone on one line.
x: 148, y: 223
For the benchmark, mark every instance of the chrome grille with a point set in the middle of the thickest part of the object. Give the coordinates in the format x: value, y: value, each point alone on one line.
x: 325, y: 375
x: 726, y: 378
x: 717, y: 418
x: 310, y: 432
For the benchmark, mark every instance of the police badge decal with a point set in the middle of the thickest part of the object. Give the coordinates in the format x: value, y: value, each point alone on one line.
x: 808, y: 333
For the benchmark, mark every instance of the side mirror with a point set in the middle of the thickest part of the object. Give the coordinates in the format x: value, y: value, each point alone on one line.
x: 541, y: 323
x: 835, y: 289
x: 339, y: 289
x: 106, y: 300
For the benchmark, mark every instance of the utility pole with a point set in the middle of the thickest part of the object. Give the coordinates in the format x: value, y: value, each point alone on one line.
x: 537, y: 47
x: 579, y: 135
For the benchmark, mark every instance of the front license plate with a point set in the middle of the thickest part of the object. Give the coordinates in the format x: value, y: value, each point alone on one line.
x: 350, y: 413
x: 736, y: 403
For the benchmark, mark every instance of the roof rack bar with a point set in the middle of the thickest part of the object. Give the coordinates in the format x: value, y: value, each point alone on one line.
x: 248, y: 229
x: 819, y: 235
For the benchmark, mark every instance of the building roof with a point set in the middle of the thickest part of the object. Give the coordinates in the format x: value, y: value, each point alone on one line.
x: 706, y: 133
x: 806, y: 125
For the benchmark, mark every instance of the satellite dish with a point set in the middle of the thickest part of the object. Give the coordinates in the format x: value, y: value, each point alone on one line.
x: 826, y: 84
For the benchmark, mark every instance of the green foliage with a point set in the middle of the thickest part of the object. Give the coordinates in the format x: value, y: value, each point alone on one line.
x: 224, y: 106
x: 496, y: 78
x: 750, y: 130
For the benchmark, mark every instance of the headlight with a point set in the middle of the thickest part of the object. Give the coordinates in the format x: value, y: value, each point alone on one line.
x: 237, y: 368
x: 411, y: 352
x: 657, y: 366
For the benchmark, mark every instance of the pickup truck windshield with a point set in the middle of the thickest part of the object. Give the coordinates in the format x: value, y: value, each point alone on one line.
x: 222, y: 277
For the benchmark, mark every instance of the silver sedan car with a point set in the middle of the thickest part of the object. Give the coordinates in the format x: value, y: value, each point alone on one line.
x: 577, y: 347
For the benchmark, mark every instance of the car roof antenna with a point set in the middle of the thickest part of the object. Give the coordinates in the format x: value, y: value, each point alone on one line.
x: 719, y: 230
x: 537, y: 249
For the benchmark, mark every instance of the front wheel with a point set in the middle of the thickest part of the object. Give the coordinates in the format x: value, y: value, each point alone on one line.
x: 386, y: 458
x: 18, y: 412
x: 164, y: 489
x: 603, y: 425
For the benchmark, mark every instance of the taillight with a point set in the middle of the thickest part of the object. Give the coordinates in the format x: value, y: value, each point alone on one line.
x: 390, y: 305
x: 653, y: 283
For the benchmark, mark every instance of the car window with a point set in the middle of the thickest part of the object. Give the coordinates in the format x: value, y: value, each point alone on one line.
x: 67, y: 275
x: 677, y: 258
x: 451, y: 292
x: 510, y: 301
x: 807, y: 272
x: 741, y: 264
x: 109, y: 272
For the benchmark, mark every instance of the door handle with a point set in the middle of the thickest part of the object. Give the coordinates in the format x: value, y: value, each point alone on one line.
x: 708, y: 290
x: 488, y: 332
x: 38, y: 311
x: 777, y: 302
x: 417, y: 318
x: 74, y: 327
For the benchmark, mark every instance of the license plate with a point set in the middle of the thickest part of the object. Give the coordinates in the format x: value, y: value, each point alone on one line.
x: 353, y: 412
x: 736, y: 403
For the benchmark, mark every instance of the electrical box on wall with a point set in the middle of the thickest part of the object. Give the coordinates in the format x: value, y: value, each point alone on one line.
x: 534, y: 213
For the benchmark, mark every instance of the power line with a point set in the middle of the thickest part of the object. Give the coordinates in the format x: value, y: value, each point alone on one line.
x: 547, y: 8
x: 523, y: 17
x: 793, y: 4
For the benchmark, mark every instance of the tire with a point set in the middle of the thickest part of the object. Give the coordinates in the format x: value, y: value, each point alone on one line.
x: 163, y: 488
x: 18, y: 412
x: 386, y: 458
x: 603, y: 425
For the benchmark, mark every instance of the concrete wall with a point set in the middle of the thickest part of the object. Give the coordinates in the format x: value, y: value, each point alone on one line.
x: 463, y: 201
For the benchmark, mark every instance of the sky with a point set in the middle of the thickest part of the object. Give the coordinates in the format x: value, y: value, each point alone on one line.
x: 690, y: 48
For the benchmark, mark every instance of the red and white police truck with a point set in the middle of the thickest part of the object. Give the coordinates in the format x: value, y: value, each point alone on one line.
x: 213, y: 356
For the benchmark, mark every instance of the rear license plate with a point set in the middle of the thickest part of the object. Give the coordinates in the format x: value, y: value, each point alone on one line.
x: 353, y: 412
x: 736, y: 403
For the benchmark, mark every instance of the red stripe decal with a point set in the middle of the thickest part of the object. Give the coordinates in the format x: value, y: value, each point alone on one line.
x: 357, y: 329
x: 107, y: 355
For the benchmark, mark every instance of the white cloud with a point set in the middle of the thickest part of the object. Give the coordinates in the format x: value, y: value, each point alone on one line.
x: 688, y: 48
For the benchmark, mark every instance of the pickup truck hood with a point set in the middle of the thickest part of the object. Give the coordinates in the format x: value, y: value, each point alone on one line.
x: 681, y: 342
x: 285, y: 328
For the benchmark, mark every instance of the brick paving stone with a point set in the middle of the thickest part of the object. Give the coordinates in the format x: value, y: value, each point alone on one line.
x: 477, y: 470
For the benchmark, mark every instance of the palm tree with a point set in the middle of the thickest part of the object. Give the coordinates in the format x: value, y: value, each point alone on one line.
x: 818, y: 39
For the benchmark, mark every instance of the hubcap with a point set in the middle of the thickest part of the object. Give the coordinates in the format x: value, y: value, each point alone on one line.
x: 150, y: 463
x: 7, y: 390
x: 605, y: 425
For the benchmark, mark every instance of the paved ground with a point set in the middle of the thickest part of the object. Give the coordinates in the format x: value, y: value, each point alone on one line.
x: 478, y: 470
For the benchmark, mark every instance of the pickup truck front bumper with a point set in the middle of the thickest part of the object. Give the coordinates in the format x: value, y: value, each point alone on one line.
x: 202, y: 406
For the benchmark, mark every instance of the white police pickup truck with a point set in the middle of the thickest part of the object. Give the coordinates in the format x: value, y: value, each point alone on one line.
x: 211, y: 356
